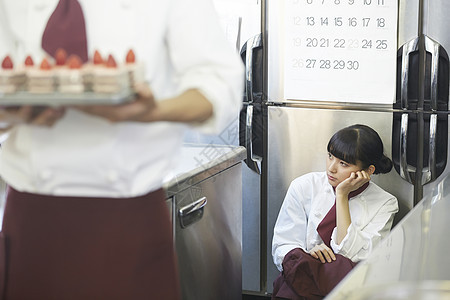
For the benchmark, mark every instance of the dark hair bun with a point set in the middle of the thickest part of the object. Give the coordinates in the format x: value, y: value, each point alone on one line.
x: 360, y: 144
x: 383, y: 166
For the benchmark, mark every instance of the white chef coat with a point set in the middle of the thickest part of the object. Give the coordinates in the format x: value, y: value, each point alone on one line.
x: 182, y: 45
x: 308, y: 200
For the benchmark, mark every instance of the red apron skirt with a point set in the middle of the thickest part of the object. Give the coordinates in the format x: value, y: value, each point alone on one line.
x: 88, y: 248
x: 307, y: 278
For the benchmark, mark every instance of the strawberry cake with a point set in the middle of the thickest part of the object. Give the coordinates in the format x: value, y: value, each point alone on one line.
x: 11, y: 78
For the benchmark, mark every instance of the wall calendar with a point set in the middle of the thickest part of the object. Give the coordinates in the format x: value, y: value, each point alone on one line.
x: 340, y: 50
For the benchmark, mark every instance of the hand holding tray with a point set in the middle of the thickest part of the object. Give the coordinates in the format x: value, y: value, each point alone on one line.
x: 65, y: 99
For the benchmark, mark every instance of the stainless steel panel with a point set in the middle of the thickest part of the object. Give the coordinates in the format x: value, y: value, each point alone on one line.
x: 251, y: 230
x: 209, y: 247
x: 436, y: 25
x: 408, y: 21
x: 199, y: 162
x: 275, y: 49
x: 436, y: 21
x: 297, y: 140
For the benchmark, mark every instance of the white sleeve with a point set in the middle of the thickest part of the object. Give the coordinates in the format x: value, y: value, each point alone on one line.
x: 291, y: 226
x: 359, y: 243
x: 205, y: 60
x: 6, y: 40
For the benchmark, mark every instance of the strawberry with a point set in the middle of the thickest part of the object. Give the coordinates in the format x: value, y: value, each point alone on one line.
x: 111, y: 62
x: 45, y: 65
x: 98, y: 60
x: 131, y: 58
x: 60, y: 57
x: 29, y: 61
x: 74, y: 62
x: 7, y: 63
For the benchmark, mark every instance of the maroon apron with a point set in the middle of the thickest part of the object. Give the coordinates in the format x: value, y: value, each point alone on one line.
x: 305, y: 277
x: 88, y: 248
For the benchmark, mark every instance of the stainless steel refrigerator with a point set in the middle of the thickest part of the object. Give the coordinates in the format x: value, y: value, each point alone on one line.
x: 321, y: 65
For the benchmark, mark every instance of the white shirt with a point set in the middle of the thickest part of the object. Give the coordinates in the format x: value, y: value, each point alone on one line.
x: 182, y: 45
x: 308, y: 200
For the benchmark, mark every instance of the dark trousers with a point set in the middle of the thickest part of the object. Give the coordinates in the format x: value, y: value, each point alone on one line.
x: 305, y: 277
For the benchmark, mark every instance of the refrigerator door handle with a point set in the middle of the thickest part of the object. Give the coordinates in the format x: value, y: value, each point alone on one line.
x: 252, y: 43
x: 404, y: 172
x: 430, y: 173
x: 252, y: 158
x: 192, y: 213
x: 432, y: 47
x: 408, y: 48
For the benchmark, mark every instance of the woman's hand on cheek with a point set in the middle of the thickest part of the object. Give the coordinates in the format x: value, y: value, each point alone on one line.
x: 354, y: 182
x: 323, y: 253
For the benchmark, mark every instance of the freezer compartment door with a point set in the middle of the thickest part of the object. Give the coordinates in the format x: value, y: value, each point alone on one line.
x: 297, y: 141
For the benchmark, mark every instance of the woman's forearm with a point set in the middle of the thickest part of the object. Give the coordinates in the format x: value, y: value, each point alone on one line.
x: 343, y: 219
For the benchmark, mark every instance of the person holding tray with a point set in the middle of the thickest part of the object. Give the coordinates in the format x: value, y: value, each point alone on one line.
x: 85, y: 215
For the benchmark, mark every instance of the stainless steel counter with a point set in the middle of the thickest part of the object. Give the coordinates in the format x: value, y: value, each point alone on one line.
x: 413, y: 262
x: 198, y: 162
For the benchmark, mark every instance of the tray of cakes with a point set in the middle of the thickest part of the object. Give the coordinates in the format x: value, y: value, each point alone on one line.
x: 68, y: 81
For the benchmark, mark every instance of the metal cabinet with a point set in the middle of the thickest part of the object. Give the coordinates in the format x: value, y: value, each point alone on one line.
x: 208, y: 236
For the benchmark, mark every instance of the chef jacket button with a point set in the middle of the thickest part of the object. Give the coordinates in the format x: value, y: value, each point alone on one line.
x: 46, y: 174
x: 112, y: 176
x: 318, y: 215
